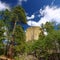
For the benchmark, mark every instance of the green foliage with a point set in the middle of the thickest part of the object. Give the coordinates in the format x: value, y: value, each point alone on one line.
x: 19, y: 13
x: 41, y: 47
x: 2, y: 30
x: 2, y: 37
x: 49, y: 26
x: 11, y: 20
x: 19, y: 39
x: 45, y: 45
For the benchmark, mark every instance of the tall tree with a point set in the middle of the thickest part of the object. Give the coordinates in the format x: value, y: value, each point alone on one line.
x: 49, y: 26
x: 2, y: 36
x: 12, y: 19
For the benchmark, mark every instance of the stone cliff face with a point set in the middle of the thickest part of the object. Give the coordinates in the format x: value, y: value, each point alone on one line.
x: 32, y: 33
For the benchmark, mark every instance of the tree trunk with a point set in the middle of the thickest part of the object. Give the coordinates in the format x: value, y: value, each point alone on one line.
x: 11, y: 47
x: 57, y: 50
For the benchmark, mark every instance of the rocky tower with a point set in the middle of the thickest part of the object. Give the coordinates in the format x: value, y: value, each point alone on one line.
x: 32, y: 33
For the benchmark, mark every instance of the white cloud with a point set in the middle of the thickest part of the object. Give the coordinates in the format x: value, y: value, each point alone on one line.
x: 45, y: 33
x: 49, y: 13
x: 32, y: 17
x: 20, y: 1
x: 32, y: 23
x: 4, y: 6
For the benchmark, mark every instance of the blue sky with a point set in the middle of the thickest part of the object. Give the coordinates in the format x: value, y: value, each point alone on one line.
x: 37, y: 11
x: 31, y: 6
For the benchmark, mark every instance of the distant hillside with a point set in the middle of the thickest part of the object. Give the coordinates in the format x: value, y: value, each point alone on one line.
x: 32, y: 33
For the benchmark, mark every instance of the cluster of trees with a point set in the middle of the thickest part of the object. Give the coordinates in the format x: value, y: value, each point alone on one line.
x: 12, y: 36
x: 47, y: 46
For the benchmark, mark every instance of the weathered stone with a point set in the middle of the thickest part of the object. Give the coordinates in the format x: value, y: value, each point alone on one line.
x: 32, y: 33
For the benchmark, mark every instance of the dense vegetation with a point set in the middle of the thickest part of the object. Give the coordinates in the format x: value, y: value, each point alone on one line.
x: 13, y: 42
x: 12, y: 36
x: 47, y: 47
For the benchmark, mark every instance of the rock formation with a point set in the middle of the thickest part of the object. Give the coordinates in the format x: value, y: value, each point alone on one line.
x: 32, y: 33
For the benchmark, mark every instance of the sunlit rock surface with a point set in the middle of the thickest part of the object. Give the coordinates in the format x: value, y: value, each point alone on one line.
x: 32, y: 33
